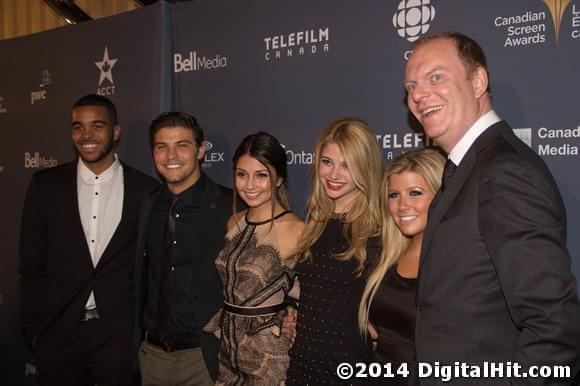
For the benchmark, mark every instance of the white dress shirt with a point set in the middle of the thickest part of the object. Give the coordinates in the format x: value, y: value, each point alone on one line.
x: 100, y: 206
x: 460, y: 149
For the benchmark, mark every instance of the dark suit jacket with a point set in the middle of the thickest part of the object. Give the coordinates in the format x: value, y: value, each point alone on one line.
x: 57, y: 273
x: 494, y: 279
x: 206, y: 287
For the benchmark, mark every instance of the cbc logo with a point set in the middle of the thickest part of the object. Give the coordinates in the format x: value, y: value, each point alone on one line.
x: 412, y: 18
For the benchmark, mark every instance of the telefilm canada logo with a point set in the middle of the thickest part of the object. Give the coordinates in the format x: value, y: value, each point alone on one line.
x: 106, y: 85
x: 41, y: 93
x: 299, y: 43
x: 36, y: 161
x: 192, y: 61
x: 2, y: 108
x: 211, y: 155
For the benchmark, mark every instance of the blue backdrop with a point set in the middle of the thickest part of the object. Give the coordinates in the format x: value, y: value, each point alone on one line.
x: 284, y: 67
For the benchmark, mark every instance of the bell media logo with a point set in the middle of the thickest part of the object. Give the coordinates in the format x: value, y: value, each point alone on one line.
x: 413, y: 18
x: 557, y: 8
x: 105, y: 67
x: 36, y: 161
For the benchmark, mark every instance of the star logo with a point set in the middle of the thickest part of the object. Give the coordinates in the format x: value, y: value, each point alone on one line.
x: 557, y: 8
x: 106, y: 67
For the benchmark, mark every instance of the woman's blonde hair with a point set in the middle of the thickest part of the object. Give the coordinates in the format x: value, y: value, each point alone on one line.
x: 428, y: 164
x: 359, y: 147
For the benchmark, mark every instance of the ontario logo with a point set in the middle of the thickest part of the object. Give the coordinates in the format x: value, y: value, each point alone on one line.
x: 557, y: 8
x: 413, y: 18
x: 105, y: 67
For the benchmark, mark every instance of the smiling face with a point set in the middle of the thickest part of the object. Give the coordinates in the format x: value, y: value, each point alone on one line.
x: 335, y: 177
x: 177, y: 157
x: 253, y: 182
x: 444, y: 98
x: 94, y: 136
x: 409, y: 198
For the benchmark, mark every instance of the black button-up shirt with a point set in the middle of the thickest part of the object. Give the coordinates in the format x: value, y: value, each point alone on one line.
x: 187, y: 216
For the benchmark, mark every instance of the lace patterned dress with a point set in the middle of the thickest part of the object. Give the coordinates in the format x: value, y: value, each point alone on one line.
x: 251, y: 351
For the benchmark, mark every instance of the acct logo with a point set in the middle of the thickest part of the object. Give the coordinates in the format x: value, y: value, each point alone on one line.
x: 105, y: 67
x: 41, y: 94
x: 298, y: 157
x: 35, y: 160
x: 413, y: 18
x: 193, y: 62
x: 2, y: 108
x: 211, y: 156
x: 311, y: 42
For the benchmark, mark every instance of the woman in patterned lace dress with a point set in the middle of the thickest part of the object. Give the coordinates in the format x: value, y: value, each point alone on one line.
x: 255, y: 268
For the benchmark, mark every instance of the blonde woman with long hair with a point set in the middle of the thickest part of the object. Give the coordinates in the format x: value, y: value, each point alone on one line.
x: 341, y: 234
x: 387, y: 308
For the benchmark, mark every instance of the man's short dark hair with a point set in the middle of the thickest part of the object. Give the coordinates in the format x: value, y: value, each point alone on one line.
x: 470, y: 52
x: 176, y: 119
x: 99, y: 100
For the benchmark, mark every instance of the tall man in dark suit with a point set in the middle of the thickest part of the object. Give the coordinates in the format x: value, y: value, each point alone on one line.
x: 494, y: 281
x: 181, y: 232
x: 77, y: 253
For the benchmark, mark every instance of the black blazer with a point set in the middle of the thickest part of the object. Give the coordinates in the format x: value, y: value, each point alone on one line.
x: 57, y: 273
x: 494, y: 279
x: 206, y: 287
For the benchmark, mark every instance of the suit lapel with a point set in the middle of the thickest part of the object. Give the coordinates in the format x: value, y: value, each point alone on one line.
x: 443, y: 202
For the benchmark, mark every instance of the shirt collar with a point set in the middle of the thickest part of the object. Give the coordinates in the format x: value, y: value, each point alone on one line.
x: 460, y: 149
x: 87, y: 176
x: 190, y: 195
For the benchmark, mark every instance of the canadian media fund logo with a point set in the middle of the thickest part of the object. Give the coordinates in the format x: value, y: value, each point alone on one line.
x: 41, y: 94
x: 558, y: 141
x: 194, y: 62
x: 305, y: 42
x: 525, y: 134
x: 211, y: 156
x: 2, y: 108
x: 413, y: 18
x: 299, y: 157
x: 35, y: 160
x: 106, y: 84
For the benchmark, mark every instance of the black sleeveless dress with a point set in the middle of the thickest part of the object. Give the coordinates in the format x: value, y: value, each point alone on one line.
x: 327, y: 331
x: 393, y: 314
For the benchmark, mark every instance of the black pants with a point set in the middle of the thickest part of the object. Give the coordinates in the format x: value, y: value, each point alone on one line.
x: 88, y: 356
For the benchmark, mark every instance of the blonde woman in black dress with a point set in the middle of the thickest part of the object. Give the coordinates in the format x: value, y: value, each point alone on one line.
x: 387, y: 308
x: 341, y: 234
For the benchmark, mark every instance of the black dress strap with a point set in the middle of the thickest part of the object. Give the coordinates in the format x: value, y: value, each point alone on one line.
x: 268, y: 220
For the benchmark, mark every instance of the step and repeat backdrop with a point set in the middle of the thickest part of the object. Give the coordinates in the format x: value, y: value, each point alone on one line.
x: 289, y: 68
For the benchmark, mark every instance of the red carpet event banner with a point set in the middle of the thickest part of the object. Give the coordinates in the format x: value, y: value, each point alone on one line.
x: 288, y: 68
